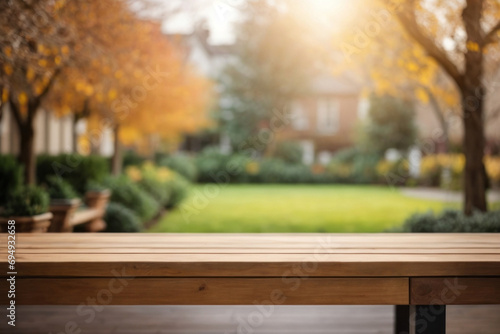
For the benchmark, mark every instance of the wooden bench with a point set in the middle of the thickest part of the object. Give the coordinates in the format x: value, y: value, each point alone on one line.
x: 423, y: 271
x: 68, y: 215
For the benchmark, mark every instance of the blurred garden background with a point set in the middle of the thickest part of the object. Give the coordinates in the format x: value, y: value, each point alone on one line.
x: 250, y: 115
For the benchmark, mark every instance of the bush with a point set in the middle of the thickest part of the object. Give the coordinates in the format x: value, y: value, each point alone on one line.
x: 453, y: 221
x: 430, y: 171
x: 153, y: 180
x: 178, y: 188
x: 214, y: 166
x: 493, y: 169
x: 394, y: 173
x: 27, y: 201
x: 76, y: 169
x: 181, y: 164
x: 11, y: 177
x: 131, y: 158
x: 209, y: 163
x: 95, y: 186
x: 57, y: 188
x: 278, y: 171
x: 129, y: 194
x: 353, y: 166
x: 290, y: 152
x: 119, y: 218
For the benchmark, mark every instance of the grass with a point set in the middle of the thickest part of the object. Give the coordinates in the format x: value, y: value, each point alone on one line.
x: 293, y: 208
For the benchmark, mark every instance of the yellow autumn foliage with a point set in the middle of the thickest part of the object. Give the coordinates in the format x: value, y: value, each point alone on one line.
x: 252, y: 167
x: 493, y: 168
x: 434, y: 164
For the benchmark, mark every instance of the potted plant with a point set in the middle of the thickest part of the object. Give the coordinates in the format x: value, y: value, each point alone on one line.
x: 28, y: 206
x: 63, y: 203
x: 97, y: 196
x: 11, y: 177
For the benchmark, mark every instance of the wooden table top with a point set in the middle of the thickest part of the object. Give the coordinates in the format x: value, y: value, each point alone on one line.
x: 256, y: 255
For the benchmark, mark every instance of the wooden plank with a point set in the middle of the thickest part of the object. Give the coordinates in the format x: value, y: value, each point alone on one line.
x: 259, y: 255
x: 288, y: 236
x: 86, y: 215
x: 455, y: 290
x: 210, y: 291
x: 142, y: 267
x: 273, y: 240
x: 170, y: 250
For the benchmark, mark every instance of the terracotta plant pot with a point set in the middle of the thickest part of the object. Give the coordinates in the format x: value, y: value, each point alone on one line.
x: 63, y: 210
x: 97, y: 199
x: 34, y: 224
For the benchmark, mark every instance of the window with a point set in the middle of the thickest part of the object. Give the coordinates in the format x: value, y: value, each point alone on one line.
x: 363, y: 107
x: 328, y: 116
x: 300, y: 121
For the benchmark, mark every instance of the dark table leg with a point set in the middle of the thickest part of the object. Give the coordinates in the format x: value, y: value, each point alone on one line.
x: 428, y: 319
x: 402, y: 319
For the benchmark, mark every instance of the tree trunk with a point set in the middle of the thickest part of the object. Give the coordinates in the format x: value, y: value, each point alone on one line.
x: 26, y: 130
x: 27, y: 152
x: 116, y: 164
x: 472, y: 90
x: 475, y: 178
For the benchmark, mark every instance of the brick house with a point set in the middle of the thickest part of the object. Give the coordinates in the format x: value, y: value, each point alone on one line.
x: 325, y: 120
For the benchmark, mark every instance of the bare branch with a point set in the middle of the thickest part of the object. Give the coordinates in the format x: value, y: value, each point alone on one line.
x: 407, y: 18
x: 490, y: 36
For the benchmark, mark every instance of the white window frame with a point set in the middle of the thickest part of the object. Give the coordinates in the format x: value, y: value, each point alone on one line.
x: 300, y: 121
x: 328, y: 116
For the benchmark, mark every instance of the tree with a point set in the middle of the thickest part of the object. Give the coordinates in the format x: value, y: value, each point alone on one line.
x: 273, y: 65
x: 390, y: 124
x: 460, y: 39
x: 35, y: 43
x: 96, y: 60
x: 40, y: 40
x: 399, y: 67
x: 478, y: 20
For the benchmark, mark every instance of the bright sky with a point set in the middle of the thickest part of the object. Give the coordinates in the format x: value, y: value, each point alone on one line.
x: 222, y: 14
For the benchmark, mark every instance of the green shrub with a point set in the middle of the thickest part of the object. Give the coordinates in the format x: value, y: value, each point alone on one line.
x: 131, y: 158
x: 290, y: 152
x: 76, y: 169
x: 132, y: 196
x: 236, y: 168
x: 394, y: 173
x: 278, y: 171
x: 210, y: 162
x: 58, y: 188
x: 353, y: 166
x: 119, y: 218
x: 11, y: 177
x: 214, y: 166
x: 453, y: 221
x: 95, y: 186
x: 27, y: 201
x: 158, y: 190
x: 178, y: 188
x: 181, y: 164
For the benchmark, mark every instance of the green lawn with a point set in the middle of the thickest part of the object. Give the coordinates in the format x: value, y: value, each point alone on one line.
x: 293, y: 208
